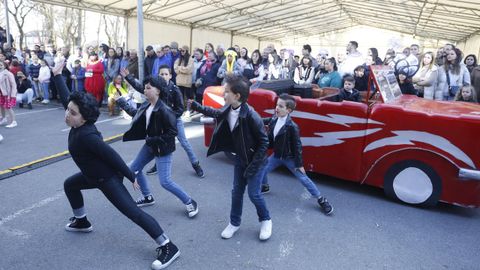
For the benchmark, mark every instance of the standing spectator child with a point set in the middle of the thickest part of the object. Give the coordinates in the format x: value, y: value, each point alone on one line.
x: 467, y: 94
x: 8, y: 96
x: 240, y: 130
x: 34, y: 70
x: 78, y: 76
x: 44, y: 80
x: 284, y: 138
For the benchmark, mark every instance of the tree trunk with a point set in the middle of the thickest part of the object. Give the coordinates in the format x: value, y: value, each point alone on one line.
x: 78, y: 39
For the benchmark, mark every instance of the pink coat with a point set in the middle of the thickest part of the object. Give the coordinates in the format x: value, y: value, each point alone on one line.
x: 8, y: 87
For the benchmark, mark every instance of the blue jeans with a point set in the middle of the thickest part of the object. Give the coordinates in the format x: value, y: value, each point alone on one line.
x: 164, y: 169
x: 36, y: 89
x: 274, y: 163
x: 44, y: 86
x: 184, y: 142
x: 239, y: 185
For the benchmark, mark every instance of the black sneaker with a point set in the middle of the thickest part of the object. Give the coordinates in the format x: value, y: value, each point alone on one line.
x: 265, y: 189
x: 29, y: 105
x: 325, y: 206
x: 79, y: 225
x: 20, y: 104
x: 166, y: 255
x: 145, y: 201
x: 152, y: 170
x: 198, y: 170
x: 192, y: 209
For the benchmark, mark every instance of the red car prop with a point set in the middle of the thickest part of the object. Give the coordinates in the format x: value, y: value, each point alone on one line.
x: 419, y: 151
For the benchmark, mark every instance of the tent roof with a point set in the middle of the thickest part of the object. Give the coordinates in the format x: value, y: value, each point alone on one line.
x: 453, y: 20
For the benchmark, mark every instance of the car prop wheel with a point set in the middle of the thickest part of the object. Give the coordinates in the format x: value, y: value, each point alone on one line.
x: 413, y: 182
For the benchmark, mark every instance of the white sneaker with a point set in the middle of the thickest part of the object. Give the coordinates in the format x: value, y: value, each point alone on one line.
x: 45, y: 101
x: 3, y: 121
x: 229, y: 231
x: 265, y: 230
x: 12, y: 125
x: 1, y: 137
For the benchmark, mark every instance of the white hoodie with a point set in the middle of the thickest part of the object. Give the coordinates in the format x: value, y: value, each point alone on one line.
x: 44, y: 74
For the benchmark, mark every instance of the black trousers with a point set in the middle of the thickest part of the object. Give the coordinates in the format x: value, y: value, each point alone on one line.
x: 117, y: 194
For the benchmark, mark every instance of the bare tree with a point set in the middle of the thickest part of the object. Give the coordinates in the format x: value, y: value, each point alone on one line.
x: 19, y: 10
x: 48, y: 29
x: 67, y: 25
x: 114, y: 29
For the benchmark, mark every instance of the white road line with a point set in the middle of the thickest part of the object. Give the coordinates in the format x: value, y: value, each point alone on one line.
x: 37, y: 111
x: 298, y: 215
x: 14, y: 232
x: 29, y: 209
x: 99, y: 122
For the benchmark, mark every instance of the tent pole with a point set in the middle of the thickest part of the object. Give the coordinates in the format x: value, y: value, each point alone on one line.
x: 9, y: 40
x: 141, y: 51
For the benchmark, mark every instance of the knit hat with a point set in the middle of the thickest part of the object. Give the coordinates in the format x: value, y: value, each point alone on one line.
x: 174, y: 45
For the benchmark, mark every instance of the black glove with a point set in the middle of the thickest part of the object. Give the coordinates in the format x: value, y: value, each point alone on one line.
x: 194, y: 106
x: 151, y: 141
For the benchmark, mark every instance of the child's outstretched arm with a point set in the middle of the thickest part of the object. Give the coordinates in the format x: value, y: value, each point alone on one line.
x: 207, y: 111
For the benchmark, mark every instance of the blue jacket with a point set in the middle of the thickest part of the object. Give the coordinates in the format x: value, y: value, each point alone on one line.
x: 34, y: 70
x: 78, y: 84
x: 160, y: 61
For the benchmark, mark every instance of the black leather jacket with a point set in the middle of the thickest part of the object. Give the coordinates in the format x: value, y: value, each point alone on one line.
x: 162, y: 126
x: 173, y: 99
x: 248, y: 139
x: 287, y: 143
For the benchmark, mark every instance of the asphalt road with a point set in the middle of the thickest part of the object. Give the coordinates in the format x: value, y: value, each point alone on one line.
x: 367, y: 230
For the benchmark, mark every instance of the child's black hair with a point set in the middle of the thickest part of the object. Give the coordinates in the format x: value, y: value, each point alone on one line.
x: 87, y: 105
x: 289, y: 101
x: 359, y: 68
x: 165, y: 67
x: 238, y: 85
x: 348, y: 78
x: 157, y: 82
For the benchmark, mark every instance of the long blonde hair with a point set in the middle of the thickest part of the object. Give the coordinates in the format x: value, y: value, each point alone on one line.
x: 430, y: 66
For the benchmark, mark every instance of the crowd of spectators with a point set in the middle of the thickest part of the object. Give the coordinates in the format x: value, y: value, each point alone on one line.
x: 443, y: 75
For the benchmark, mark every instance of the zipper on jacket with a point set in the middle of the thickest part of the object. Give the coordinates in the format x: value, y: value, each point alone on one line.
x: 243, y: 140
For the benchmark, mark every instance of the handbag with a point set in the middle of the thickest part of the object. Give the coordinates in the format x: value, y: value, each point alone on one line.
x: 452, y: 90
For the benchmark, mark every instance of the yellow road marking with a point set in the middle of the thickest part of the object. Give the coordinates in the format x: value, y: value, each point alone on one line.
x: 9, y: 170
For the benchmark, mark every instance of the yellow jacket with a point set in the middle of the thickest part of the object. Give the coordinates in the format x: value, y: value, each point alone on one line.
x: 112, y: 90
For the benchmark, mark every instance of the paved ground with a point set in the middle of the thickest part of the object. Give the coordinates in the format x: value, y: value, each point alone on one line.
x: 367, y: 230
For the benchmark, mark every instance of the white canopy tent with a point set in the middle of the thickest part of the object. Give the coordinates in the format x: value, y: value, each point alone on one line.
x: 453, y: 20
x: 254, y: 23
